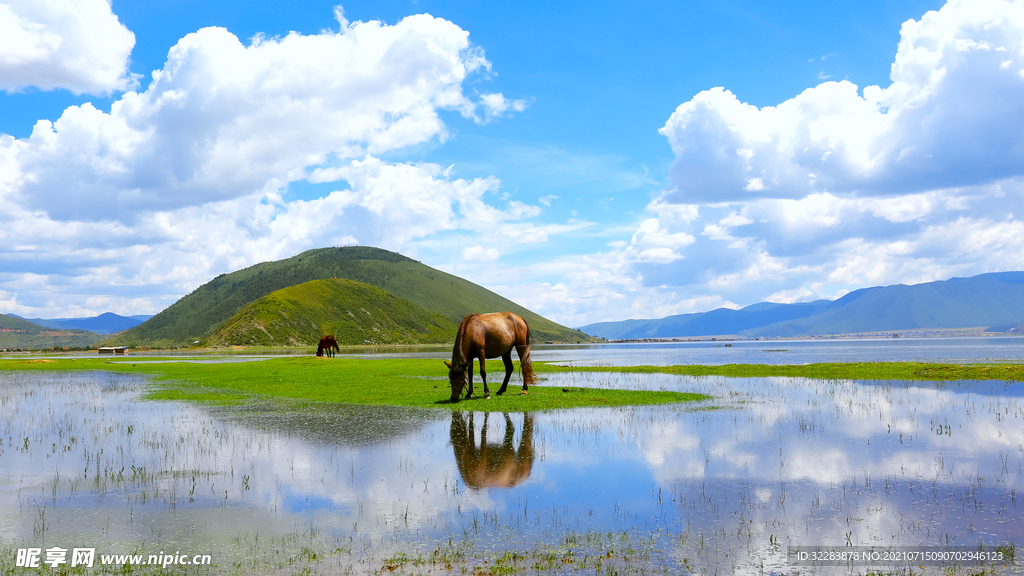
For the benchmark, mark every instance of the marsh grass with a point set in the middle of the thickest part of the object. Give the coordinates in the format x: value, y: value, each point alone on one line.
x: 398, y: 382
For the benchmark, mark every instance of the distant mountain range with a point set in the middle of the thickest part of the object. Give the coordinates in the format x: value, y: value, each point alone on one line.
x: 106, y: 323
x: 18, y: 333
x: 994, y: 301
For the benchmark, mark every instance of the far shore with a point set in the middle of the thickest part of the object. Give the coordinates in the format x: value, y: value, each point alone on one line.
x: 934, y: 333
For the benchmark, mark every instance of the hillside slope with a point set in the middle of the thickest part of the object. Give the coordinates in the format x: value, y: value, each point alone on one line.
x: 995, y: 299
x: 355, y: 313
x: 20, y: 333
x: 199, y: 314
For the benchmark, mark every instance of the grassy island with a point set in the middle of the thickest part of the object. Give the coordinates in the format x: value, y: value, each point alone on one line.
x: 399, y: 382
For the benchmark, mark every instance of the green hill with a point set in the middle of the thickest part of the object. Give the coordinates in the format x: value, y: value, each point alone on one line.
x: 18, y: 333
x: 354, y: 312
x: 201, y: 313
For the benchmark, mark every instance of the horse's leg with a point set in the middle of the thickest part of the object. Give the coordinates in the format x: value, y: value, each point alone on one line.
x: 510, y: 431
x: 469, y: 375
x: 483, y: 376
x: 507, y: 359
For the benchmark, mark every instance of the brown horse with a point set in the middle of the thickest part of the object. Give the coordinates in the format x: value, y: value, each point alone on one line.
x: 329, y: 344
x: 483, y: 336
x: 492, y: 465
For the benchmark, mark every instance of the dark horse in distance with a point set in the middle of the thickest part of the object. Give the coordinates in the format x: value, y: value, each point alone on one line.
x: 328, y: 344
x: 484, y: 336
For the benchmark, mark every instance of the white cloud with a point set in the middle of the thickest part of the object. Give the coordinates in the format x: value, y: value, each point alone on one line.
x: 829, y: 191
x: 653, y: 243
x: 496, y: 105
x: 224, y: 120
x: 951, y: 117
x: 191, y: 177
x: 168, y: 253
x: 479, y: 253
x: 833, y: 190
x: 78, y: 45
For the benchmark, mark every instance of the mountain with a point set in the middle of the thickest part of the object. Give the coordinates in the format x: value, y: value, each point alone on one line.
x: 106, y: 323
x: 356, y: 313
x: 993, y: 300
x: 201, y: 313
x: 17, y: 332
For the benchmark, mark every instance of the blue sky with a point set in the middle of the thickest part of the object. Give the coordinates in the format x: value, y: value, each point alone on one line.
x: 591, y: 161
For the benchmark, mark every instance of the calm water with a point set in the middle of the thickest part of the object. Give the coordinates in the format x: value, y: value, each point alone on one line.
x: 722, y: 487
x: 791, y: 351
x: 1007, y: 348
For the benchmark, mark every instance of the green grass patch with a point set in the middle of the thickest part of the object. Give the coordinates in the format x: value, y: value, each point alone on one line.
x: 398, y: 382
x: 423, y: 383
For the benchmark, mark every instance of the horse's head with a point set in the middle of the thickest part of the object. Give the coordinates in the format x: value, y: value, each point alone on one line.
x: 457, y: 379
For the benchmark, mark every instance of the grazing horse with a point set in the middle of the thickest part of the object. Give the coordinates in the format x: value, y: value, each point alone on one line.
x: 329, y: 344
x: 483, y: 336
x: 492, y: 465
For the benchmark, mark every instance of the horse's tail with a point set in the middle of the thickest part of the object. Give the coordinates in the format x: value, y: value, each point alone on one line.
x: 525, y: 364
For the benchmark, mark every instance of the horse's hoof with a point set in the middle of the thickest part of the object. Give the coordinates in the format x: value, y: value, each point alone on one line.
x: 522, y: 393
x: 488, y: 397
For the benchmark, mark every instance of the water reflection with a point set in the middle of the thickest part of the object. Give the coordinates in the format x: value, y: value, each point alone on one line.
x: 492, y: 465
x: 723, y: 486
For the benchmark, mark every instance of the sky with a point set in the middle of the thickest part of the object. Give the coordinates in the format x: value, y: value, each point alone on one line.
x: 592, y: 161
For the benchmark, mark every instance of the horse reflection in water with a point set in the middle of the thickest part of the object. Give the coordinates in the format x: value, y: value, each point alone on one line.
x: 492, y: 465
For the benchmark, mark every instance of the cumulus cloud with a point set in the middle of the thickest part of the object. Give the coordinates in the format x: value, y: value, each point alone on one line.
x: 55, y: 264
x: 836, y: 188
x: 950, y: 117
x: 496, y: 105
x: 223, y: 120
x: 77, y: 45
x: 652, y: 243
x: 388, y: 205
x: 479, y: 253
x: 191, y: 177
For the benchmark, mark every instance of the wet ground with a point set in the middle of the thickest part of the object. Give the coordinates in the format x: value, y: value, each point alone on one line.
x: 726, y: 486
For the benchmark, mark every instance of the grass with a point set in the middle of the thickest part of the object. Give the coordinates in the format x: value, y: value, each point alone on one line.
x: 354, y: 312
x: 398, y: 382
x: 421, y: 383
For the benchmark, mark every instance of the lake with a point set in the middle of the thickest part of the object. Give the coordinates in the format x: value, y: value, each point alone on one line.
x: 732, y: 485
x: 1002, y: 348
